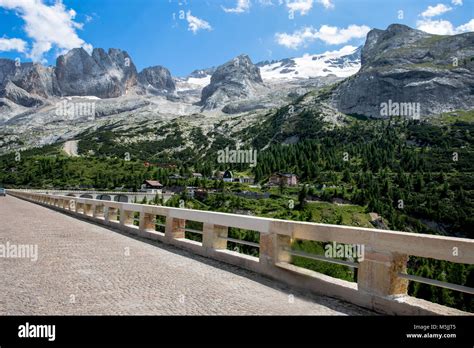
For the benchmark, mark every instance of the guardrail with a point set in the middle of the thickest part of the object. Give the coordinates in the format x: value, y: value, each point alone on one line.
x: 381, y: 279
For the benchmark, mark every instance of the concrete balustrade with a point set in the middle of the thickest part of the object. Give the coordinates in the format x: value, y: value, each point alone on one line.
x: 379, y: 284
x: 114, y: 196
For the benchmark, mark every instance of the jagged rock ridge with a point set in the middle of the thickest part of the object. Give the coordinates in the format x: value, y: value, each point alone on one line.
x: 102, y: 74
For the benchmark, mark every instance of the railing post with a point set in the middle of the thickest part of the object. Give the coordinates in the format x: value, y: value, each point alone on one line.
x: 175, y: 228
x: 110, y: 214
x: 88, y: 209
x: 147, y: 222
x: 99, y: 211
x: 273, y: 248
x: 72, y: 205
x: 378, y: 273
x: 214, y: 236
x: 126, y: 217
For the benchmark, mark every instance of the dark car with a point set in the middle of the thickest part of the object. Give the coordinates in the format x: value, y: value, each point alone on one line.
x: 3, y: 192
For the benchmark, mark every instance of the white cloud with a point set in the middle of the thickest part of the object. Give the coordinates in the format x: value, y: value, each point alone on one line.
x: 297, y: 39
x: 443, y: 27
x: 265, y: 2
x: 438, y: 27
x: 456, y: 2
x: 335, y: 36
x: 304, y: 6
x: 328, y: 34
x: 326, y: 3
x: 433, y: 11
x: 17, y: 45
x: 467, y: 27
x: 242, y: 6
x: 48, y: 26
x: 195, y: 24
x: 301, y: 6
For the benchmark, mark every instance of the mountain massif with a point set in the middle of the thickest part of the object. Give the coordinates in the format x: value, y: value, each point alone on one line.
x: 399, y: 65
x: 406, y: 65
x: 101, y: 74
x: 235, y: 80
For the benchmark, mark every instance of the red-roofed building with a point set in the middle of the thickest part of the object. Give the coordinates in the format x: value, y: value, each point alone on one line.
x: 152, y: 186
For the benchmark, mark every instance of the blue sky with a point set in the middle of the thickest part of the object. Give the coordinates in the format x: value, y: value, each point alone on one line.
x: 184, y: 35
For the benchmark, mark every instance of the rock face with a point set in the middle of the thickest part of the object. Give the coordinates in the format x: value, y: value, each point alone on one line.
x: 102, y: 74
x: 19, y: 96
x: 157, y: 80
x: 402, y: 65
x: 37, y: 79
x: 7, y: 70
x: 198, y: 74
x: 236, y: 79
x: 33, y: 78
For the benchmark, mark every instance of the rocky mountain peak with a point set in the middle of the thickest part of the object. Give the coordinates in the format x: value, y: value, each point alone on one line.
x: 157, y: 80
x: 104, y: 75
x: 402, y: 65
x: 240, y: 65
x: 32, y: 77
x: 395, y: 36
x: 239, y: 78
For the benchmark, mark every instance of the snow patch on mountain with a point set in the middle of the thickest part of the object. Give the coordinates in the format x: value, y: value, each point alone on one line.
x: 341, y: 63
x: 192, y: 83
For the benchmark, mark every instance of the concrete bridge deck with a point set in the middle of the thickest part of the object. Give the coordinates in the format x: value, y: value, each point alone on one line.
x: 86, y: 269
